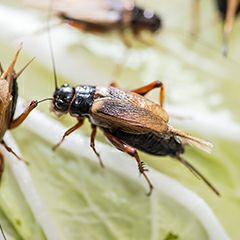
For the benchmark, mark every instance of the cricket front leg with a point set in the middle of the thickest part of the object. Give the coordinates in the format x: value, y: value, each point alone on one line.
x: 16, y: 122
x: 155, y: 84
x: 69, y: 131
x: 120, y: 145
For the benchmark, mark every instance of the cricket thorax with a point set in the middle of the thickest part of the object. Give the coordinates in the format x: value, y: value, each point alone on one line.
x: 74, y: 100
x: 83, y: 100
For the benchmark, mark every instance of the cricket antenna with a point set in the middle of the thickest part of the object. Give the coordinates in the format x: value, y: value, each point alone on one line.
x: 197, y: 174
x: 50, y: 43
x: 45, y: 99
x: 4, y: 237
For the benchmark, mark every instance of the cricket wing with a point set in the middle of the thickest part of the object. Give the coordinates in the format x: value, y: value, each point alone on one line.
x: 93, y: 11
x: 129, y: 112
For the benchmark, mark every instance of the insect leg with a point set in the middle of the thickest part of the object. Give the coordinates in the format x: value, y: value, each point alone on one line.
x: 155, y: 84
x: 16, y: 122
x: 10, y: 150
x: 120, y: 145
x: 1, y: 165
x: 195, y: 18
x: 125, y: 38
x: 92, y: 144
x: 228, y: 24
x: 69, y: 131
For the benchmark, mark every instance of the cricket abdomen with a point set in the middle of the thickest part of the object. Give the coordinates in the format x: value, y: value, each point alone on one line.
x: 151, y: 143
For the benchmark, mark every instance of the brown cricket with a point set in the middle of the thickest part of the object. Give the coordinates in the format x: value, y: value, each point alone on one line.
x: 104, y: 16
x: 8, y: 101
x: 129, y: 121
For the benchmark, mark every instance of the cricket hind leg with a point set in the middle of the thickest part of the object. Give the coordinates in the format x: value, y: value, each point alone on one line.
x: 120, y: 145
x: 146, y: 89
x: 197, y: 174
x: 155, y: 84
x: 92, y: 144
x: 68, y: 132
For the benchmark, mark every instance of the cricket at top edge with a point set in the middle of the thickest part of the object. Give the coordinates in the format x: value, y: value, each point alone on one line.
x: 103, y: 16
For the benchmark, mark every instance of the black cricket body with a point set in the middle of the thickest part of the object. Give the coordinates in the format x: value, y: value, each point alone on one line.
x: 75, y: 100
x: 129, y: 121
